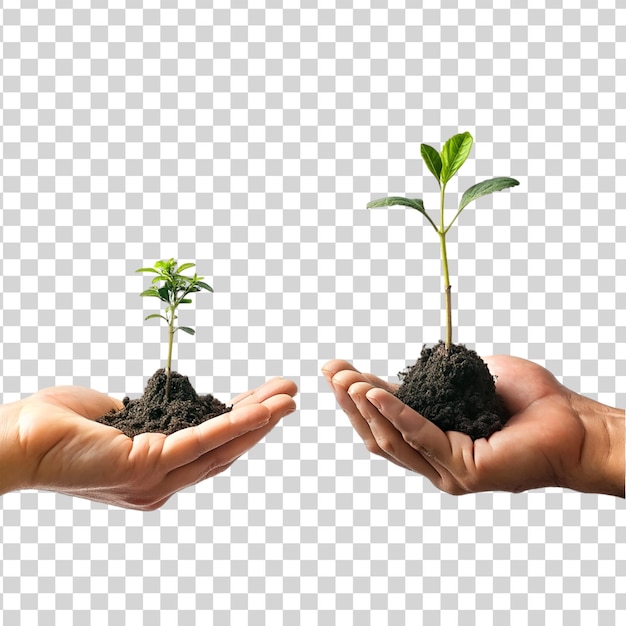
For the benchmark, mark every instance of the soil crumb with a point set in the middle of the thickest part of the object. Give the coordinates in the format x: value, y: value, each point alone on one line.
x: 455, y: 390
x: 151, y: 414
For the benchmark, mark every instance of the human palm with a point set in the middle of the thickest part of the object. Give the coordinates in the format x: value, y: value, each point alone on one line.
x: 546, y: 442
x: 61, y: 447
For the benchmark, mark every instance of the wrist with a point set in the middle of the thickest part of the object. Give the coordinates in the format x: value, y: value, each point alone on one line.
x: 602, y: 459
x: 12, y: 467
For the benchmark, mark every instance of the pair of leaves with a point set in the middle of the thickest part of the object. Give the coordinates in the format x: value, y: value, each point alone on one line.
x: 453, y: 154
x: 478, y: 190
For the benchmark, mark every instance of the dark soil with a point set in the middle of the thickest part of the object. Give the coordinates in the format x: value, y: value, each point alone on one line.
x: 455, y: 390
x: 151, y: 414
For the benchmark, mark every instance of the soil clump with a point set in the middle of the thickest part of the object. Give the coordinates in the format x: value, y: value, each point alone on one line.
x: 152, y: 413
x: 455, y: 390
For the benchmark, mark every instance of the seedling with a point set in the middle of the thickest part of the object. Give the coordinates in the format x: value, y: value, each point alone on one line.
x: 169, y: 402
x: 173, y: 292
x: 444, y: 166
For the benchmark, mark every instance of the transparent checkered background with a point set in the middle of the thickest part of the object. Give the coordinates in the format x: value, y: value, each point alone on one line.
x: 249, y: 137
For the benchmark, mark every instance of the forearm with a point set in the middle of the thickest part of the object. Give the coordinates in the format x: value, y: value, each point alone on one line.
x: 602, y: 457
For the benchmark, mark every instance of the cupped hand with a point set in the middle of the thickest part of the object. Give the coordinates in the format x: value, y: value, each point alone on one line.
x: 52, y: 442
x: 554, y: 437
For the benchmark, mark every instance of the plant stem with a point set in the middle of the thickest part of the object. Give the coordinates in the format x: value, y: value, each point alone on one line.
x: 446, y: 276
x: 447, y: 291
x: 168, y: 369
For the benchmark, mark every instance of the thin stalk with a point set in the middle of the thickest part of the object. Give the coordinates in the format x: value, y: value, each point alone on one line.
x: 168, y: 369
x: 446, y: 276
x: 447, y: 291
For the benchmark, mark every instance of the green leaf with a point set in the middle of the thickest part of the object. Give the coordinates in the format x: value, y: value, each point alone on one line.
x: 185, y: 329
x: 486, y: 187
x: 164, y: 294
x: 432, y: 159
x: 186, y: 301
x: 454, y: 153
x: 185, y: 266
x: 150, y: 292
x: 147, y: 269
x: 412, y: 203
x: 204, y: 286
x: 482, y: 189
x: 149, y: 317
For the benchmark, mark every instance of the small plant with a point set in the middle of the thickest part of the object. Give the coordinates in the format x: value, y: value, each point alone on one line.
x: 173, y: 292
x: 169, y: 401
x: 444, y: 166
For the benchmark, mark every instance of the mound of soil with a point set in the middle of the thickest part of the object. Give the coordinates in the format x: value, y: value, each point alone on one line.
x: 453, y: 389
x: 152, y: 414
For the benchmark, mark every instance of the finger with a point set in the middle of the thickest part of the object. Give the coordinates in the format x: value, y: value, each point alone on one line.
x: 418, y: 432
x: 220, y: 459
x: 187, y: 445
x: 332, y: 368
x: 272, y: 387
x: 389, y: 439
x: 335, y: 366
x: 280, y: 405
x: 341, y: 382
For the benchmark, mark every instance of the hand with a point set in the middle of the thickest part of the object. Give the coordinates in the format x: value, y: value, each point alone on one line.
x: 50, y: 441
x: 555, y: 437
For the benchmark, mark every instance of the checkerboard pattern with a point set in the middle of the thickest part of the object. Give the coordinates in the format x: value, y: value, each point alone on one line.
x: 249, y: 137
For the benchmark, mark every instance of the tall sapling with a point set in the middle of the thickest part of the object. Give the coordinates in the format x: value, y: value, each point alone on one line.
x: 444, y: 166
x: 173, y: 292
x: 449, y: 384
